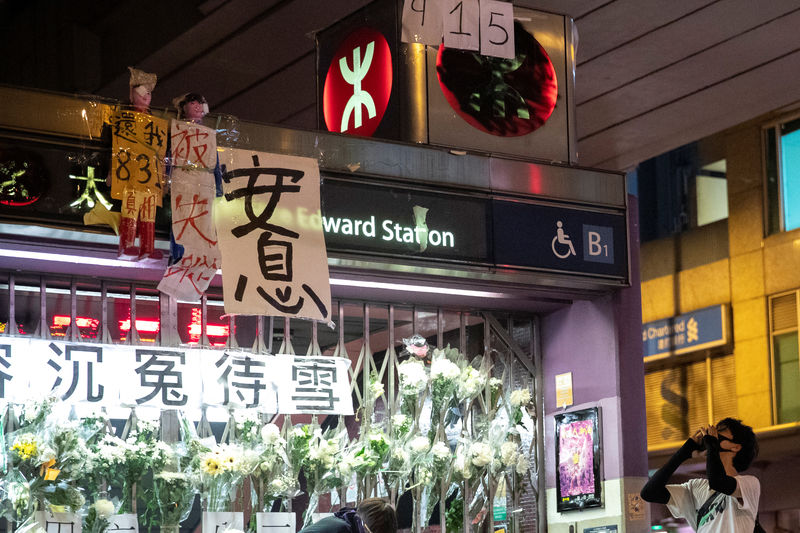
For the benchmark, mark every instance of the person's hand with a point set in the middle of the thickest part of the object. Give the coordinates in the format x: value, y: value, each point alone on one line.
x: 697, y: 439
x: 712, y: 431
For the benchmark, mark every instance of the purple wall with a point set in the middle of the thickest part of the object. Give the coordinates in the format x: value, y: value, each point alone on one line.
x: 599, y: 341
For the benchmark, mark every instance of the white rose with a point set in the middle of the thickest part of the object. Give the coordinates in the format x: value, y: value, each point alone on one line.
x: 462, y: 465
x: 481, y: 454
x: 508, y: 453
x: 471, y: 383
x: 399, y: 454
x: 270, y: 433
x: 419, y: 445
x: 46, y: 454
x: 412, y: 375
x: 399, y: 419
x: 441, y: 450
x: 444, y: 368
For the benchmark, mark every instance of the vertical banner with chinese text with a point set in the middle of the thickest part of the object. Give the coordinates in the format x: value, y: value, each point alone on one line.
x: 269, y: 227
x: 139, y: 145
x: 194, y: 158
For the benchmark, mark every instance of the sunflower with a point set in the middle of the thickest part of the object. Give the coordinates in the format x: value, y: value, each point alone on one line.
x: 211, y: 466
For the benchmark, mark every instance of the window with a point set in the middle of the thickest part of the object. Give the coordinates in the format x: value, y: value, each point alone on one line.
x: 678, y: 399
x: 711, y: 191
x: 681, y: 190
x: 785, y: 360
x: 782, y: 170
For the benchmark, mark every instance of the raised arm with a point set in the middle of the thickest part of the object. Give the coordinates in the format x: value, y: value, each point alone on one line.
x: 655, y: 490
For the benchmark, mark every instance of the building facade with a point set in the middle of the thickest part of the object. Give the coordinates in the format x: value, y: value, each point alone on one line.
x: 722, y: 239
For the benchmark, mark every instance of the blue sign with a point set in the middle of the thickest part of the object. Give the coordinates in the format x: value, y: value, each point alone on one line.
x: 690, y: 332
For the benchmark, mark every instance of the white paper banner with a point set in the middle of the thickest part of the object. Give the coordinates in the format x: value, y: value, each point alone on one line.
x: 156, y: 377
x: 497, y: 29
x: 103, y: 375
x: 460, y: 21
x: 123, y: 523
x: 241, y: 380
x: 193, y: 202
x: 193, y: 191
x: 314, y: 385
x: 193, y: 146
x: 276, y: 523
x: 274, y: 260
x: 422, y: 22
x: 219, y: 522
x: 59, y: 522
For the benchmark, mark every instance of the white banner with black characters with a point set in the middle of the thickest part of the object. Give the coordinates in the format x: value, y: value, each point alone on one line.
x: 171, y: 378
x: 269, y: 226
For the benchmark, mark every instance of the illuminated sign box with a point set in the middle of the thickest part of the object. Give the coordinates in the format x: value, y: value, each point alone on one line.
x: 690, y: 332
x: 362, y: 217
x: 459, y: 99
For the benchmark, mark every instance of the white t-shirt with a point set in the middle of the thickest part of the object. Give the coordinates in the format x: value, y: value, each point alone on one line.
x: 723, y: 514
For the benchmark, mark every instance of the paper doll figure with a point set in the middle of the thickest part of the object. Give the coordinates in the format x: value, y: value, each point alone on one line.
x: 138, y: 147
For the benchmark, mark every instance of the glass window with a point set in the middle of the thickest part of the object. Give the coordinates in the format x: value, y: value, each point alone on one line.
x: 681, y: 190
x: 785, y: 357
x: 711, y: 187
x: 677, y: 396
x: 782, y: 169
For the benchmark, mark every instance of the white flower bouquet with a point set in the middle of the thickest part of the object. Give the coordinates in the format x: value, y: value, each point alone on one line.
x: 174, y: 496
x: 220, y: 472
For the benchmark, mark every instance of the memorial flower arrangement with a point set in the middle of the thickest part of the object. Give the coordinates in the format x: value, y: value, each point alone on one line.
x: 270, y: 477
x: 97, y: 515
x: 468, y: 442
x: 43, y: 459
x: 518, y: 400
x: 174, y: 495
x: 130, y: 459
x: 444, y: 377
x: 218, y: 472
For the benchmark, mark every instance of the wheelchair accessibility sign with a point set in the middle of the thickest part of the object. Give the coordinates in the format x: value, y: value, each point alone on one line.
x: 598, y: 243
x: 560, y: 238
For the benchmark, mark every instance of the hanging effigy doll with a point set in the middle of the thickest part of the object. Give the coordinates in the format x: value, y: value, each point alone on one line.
x: 138, y: 149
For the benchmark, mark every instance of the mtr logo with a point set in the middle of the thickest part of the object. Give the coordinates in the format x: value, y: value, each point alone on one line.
x: 358, y: 84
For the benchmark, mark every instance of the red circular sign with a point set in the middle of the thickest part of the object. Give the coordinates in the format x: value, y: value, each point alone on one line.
x: 503, y: 97
x: 358, y: 84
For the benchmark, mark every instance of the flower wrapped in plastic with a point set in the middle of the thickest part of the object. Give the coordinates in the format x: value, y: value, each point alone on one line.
x: 174, y: 496
x: 97, y: 515
x: 518, y: 400
x: 462, y: 462
x: 370, y: 454
x: 130, y: 459
x: 413, y: 379
x: 401, y: 425
x: 471, y: 383
x: 248, y: 427
x: 45, y: 458
x: 445, y: 376
x: 220, y: 472
x: 442, y: 457
x: 270, y: 480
